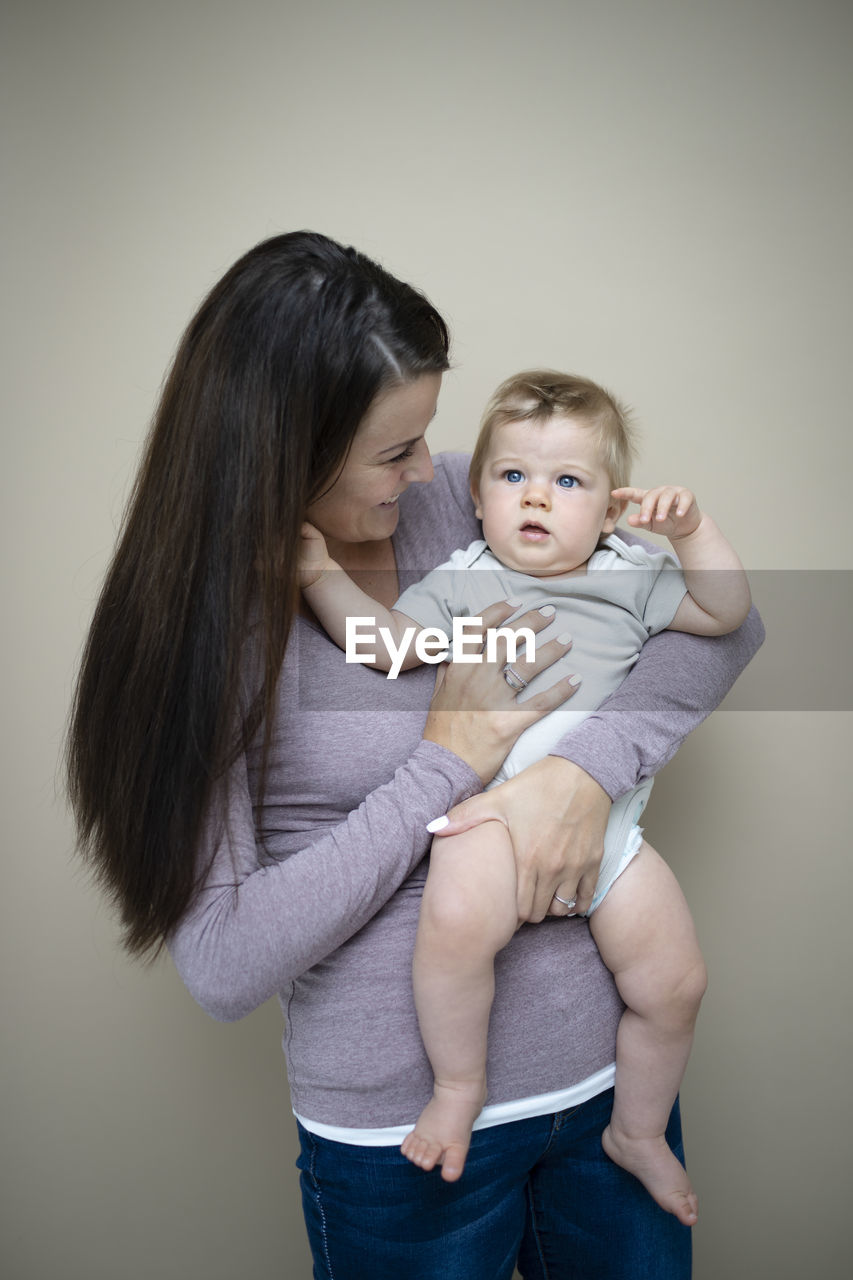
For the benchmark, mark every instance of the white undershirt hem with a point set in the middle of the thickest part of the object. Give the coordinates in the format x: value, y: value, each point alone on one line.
x: 542, y: 1104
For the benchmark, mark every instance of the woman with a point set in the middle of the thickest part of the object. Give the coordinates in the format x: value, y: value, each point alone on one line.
x: 263, y: 808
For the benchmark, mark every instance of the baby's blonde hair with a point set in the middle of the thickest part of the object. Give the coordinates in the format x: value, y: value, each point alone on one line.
x: 539, y: 394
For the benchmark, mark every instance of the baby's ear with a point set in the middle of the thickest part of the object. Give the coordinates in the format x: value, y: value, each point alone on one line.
x: 614, y: 514
x: 475, y: 498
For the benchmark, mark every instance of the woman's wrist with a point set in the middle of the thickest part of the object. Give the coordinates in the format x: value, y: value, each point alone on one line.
x: 464, y: 778
x: 452, y: 731
x: 573, y: 781
x: 588, y: 768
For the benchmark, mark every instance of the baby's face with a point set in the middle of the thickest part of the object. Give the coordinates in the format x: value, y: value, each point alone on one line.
x: 544, y: 496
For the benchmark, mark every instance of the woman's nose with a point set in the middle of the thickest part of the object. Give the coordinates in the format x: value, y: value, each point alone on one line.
x: 419, y: 467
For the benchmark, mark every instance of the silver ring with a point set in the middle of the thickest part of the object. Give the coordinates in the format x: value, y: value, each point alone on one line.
x: 513, y: 679
x: 573, y: 902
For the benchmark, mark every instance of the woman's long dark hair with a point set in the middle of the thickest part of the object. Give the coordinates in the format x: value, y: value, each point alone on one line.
x: 269, y: 385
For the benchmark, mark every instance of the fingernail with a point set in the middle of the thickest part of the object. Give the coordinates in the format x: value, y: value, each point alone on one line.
x: 438, y: 824
x: 565, y: 638
x: 574, y: 680
x: 547, y: 610
x: 513, y: 602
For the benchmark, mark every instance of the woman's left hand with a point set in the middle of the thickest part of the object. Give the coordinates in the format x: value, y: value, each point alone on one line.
x: 556, y: 814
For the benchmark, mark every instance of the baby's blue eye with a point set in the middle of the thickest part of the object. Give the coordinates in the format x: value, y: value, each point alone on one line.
x: 513, y: 477
x: 567, y: 482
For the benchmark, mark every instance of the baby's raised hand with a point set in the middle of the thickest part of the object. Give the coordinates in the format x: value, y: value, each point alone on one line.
x: 668, y: 509
x: 312, y: 556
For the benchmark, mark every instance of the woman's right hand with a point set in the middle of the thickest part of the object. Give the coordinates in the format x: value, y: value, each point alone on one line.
x: 313, y: 562
x: 475, y: 713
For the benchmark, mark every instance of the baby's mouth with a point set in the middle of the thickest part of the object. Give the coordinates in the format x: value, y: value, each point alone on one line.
x: 533, y: 532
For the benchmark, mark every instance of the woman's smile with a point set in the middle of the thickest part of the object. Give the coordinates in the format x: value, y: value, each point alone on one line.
x: 388, y: 454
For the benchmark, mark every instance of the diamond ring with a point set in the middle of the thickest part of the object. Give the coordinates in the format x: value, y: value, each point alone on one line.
x: 567, y: 902
x: 513, y: 679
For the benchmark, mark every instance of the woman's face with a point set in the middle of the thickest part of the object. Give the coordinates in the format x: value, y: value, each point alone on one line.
x: 388, y: 453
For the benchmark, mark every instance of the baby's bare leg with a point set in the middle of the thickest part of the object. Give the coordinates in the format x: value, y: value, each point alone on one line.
x: 468, y: 914
x: 646, y: 937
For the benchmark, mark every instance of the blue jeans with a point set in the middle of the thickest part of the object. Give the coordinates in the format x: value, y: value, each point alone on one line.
x: 538, y: 1193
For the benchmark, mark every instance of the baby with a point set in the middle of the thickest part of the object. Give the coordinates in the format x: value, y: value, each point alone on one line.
x: 549, y: 478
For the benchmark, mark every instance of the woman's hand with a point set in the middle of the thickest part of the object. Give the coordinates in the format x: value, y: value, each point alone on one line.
x: 313, y: 560
x: 475, y: 712
x: 556, y: 815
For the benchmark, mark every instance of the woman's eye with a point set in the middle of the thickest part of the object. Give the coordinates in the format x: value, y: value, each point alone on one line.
x: 513, y: 477
x: 401, y: 457
x: 567, y: 482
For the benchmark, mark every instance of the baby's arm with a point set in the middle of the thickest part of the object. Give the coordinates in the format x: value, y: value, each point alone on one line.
x: 718, y: 597
x: 334, y: 598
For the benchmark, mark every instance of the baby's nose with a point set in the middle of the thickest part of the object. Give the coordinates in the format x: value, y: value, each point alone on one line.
x: 535, y: 496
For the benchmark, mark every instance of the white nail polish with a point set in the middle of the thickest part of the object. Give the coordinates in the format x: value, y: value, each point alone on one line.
x: 547, y: 611
x: 574, y: 680
x: 565, y: 638
x: 438, y: 824
x: 513, y: 602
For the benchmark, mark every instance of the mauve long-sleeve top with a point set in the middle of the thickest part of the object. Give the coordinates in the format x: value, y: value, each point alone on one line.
x: 322, y: 910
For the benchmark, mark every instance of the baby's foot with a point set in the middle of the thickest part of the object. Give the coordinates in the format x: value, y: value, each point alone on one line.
x: 442, y: 1134
x: 660, y: 1172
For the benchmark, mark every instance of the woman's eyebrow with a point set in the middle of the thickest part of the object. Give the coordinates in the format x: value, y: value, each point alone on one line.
x: 404, y: 444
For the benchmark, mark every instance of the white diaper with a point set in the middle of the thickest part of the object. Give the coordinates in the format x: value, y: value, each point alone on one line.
x: 622, y: 839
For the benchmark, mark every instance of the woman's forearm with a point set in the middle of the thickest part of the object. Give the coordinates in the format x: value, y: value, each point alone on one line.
x: 255, y: 926
x: 677, y: 681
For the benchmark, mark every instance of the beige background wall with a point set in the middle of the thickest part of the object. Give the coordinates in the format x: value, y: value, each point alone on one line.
x: 656, y: 193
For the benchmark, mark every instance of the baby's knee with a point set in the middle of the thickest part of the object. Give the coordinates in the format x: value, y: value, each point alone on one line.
x: 465, y: 918
x: 450, y: 908
x: 689, y: 990
x: 671, y: 996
